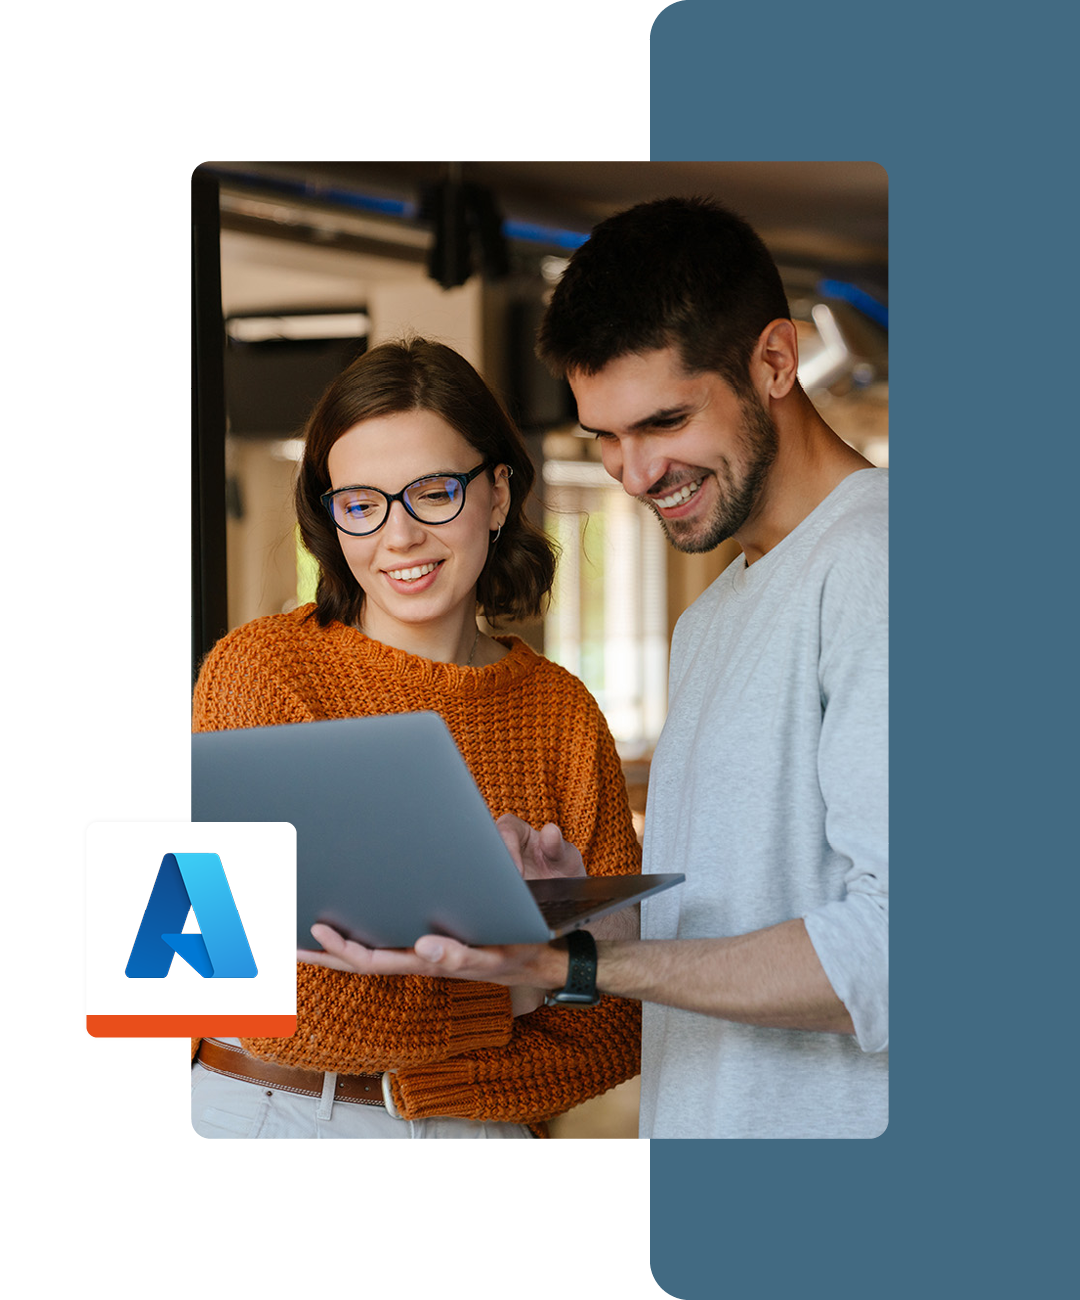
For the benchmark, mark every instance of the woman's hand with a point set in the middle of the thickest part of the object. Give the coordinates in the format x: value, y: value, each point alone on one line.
x: 542, y: 854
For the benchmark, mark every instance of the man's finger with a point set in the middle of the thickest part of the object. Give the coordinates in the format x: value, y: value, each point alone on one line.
x: 453, y: 958
x: 312, y: 958
x: 330, y: 939
x: 430, y: 947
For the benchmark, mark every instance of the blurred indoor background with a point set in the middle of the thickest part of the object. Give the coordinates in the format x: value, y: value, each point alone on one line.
x: 298, y: 267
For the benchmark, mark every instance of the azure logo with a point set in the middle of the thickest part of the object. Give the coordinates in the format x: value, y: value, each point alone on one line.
x: 191, y: 882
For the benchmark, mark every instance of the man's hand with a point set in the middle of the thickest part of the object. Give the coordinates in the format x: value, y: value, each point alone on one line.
x: 533, y: 965
x: 542, y: 854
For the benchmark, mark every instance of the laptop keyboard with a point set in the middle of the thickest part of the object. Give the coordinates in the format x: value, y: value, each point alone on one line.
x: 565, y: 909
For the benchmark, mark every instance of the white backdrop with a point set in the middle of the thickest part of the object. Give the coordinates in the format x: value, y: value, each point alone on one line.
x: 109, y: 108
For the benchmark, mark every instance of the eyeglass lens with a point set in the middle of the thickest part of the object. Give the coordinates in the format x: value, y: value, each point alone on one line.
x: 434, y: 500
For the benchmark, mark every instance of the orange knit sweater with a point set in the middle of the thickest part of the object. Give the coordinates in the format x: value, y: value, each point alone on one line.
x: 537, y: 746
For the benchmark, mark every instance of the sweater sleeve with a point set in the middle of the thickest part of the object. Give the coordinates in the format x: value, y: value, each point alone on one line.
x: 557, y: 1057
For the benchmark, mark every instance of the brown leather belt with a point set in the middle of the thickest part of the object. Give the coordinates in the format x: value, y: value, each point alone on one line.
x: 224, y: 1058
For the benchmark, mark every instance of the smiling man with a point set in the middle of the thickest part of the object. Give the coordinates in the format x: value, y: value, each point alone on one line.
x: 764, y: 976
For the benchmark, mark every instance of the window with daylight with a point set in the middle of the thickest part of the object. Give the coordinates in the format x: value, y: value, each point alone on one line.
x: 607, y: 622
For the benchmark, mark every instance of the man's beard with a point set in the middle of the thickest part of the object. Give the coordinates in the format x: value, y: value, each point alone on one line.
x: 736, y: 499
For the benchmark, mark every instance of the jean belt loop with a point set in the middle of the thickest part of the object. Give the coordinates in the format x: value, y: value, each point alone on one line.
x: 388, y: 1097
x: 326, y: 1101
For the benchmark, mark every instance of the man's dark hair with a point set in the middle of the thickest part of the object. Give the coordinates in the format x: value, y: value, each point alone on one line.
x: 683, y: 273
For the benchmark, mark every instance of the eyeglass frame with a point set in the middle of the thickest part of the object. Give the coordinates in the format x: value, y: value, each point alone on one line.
x: 327, y: 498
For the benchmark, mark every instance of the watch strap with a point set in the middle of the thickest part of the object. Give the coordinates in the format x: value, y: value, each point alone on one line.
x: 580, y: 987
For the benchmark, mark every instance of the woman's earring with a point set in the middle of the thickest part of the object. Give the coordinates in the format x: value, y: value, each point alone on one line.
x: 498, y: 534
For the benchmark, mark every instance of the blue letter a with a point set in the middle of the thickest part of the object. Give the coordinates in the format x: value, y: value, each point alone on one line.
x: 188, y: 881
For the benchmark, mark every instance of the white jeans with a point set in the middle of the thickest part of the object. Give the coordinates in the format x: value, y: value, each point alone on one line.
x: 230, y: 1108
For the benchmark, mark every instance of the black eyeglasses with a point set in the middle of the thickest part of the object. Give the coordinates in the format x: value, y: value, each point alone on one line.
x: 435, y: 499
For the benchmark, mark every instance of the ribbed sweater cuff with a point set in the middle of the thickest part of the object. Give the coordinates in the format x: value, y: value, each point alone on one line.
x: 481, y: 1016
x: 435, y: 1091
x: 463, y: 1088
x: 427, y: 1091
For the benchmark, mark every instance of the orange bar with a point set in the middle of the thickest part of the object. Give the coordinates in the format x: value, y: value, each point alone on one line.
x: 193, y: 1026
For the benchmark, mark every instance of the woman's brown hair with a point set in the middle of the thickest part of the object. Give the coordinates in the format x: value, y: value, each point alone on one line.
x: 419, y: 375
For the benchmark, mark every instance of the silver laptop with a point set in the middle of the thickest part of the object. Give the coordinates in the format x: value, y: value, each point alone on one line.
x: 393, y: 838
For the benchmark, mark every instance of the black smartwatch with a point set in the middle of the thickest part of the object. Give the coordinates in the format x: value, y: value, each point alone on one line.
x: 580, y: 987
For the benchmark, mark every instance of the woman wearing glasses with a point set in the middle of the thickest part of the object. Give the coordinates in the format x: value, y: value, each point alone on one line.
x: 411, y: 497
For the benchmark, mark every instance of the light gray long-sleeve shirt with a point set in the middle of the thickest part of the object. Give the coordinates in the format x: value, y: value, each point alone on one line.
x: 769, y: 789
